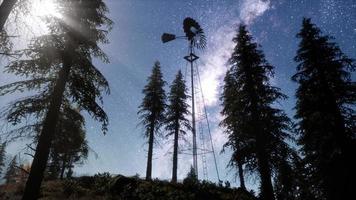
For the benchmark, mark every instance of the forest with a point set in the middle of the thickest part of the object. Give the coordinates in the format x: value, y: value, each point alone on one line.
x: 54, y: 91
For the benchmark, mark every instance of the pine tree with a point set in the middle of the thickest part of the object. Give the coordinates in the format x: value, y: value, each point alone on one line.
x: 241, y: 149
x: 60, y: 64
x: 326, y: 98
x: 176, y: 121
x: 192, y: 178
x: 255, y: 129
x: 151, y: 110
x: 69, y: 146
x: 285, y: 181
x: 11, y: 172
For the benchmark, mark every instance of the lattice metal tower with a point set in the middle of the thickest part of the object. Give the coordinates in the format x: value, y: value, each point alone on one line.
x: 197, y: 40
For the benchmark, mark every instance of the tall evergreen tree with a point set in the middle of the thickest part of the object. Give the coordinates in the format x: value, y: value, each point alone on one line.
x: 176, y: 121
x: 151, y: 110
x: 64, y: 55
x: 325, y: 108
x: 254, y: 127
x: 69, y: 146
x: 11, y: 172
x: 239, y: 146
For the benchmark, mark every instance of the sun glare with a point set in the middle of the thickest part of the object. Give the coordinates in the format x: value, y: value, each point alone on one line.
x: 44, y: 8
x: 35, y: 15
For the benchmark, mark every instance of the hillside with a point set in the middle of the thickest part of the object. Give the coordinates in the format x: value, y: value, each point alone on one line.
x: 104, y: 186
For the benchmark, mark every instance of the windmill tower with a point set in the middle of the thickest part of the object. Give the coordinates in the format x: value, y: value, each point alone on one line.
x: 194, y: 34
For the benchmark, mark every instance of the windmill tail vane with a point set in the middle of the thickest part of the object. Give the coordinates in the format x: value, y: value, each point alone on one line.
x: 167, y: 37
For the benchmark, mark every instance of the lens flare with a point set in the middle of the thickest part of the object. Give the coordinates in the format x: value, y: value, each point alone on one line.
x: 45, y: 8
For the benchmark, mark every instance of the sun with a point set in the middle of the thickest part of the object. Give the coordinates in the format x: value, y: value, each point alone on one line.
x: 36, y: 14
x: 45, y: 8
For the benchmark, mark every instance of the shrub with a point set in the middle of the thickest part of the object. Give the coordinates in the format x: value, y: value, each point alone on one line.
x: 73, y: 188
x: 102, y: 182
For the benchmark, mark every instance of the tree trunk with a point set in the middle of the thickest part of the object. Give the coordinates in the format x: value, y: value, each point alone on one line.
x: 5, y: 10
x: 175, y: 156
x: 265, y: 172
x: 70, y: 168
x: 33, y: 184
x: 63, y: 167
x: 54, y: 167
x: 241, y: 175
x: 263, y: 166
x: 150, y: 152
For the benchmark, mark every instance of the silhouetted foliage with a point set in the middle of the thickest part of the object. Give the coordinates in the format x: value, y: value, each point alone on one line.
x: 65, y: 56
x: 256, y: 130
x: 11, y: 172
x: 69, y: 146
x: 106, y: 186
x: 242, y: 151
x: 287, y: 182
x: 151, y: 110
x: 59, y: 81
x: 192, y: 178
x: 300, y: 179
x: 10, y: 8
x: 325, y: 108
x: 176, y: 121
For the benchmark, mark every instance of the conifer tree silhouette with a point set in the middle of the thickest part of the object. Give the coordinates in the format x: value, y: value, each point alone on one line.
x: 151, y: 110
x: 69, y: 146
x: 256, y: 130
x: 176, y: 121
x: 325, y: 108
x: 60, y: 64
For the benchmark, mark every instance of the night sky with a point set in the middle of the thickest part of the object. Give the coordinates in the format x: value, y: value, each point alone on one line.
x: 135, y: 45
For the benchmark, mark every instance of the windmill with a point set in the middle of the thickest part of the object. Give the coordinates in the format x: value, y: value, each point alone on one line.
x: 195, y: 36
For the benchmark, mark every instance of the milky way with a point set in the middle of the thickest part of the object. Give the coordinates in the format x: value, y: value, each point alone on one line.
x: 135, y: 45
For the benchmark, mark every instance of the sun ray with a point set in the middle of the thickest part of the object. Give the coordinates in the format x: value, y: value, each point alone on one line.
x: 45, y: 8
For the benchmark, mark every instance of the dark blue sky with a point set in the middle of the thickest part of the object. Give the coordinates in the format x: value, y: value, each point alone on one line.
x: 135, y: 45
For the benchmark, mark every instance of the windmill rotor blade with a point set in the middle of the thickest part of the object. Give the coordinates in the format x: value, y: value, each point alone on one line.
x: 194, y: 33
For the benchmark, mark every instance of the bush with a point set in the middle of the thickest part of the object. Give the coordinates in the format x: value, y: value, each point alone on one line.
x: 85, y: 182
x: 192, y: 179
x: 124, y: 186
x: 73, y: 188
x: 102, y: 182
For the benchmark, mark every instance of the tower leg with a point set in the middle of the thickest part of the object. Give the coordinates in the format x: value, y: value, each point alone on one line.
x: 195, y: 159
x: 191, y: 58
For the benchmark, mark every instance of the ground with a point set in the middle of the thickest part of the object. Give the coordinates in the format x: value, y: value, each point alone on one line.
x: 104, y: 186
